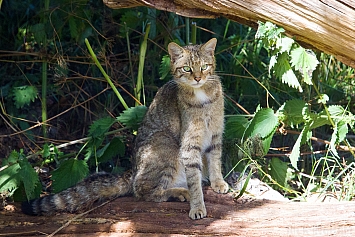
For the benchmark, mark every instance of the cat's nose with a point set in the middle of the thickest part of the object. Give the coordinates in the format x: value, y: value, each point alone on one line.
x: 197, y: 79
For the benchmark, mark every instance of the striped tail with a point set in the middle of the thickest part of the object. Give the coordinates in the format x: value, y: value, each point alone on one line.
x: 82, y: 196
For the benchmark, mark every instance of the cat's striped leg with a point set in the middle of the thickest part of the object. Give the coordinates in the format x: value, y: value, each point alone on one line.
x: 213, y: 155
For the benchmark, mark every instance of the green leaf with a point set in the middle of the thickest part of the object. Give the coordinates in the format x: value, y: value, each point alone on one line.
x: 342, y: 130
x: 336, y: 111
x: 284, y: 72
x: 266, y: 142
x: 333, y: 141
x: 268, y: 31
x: 273, y: 61
x: 132, y: 117
x: 245, y: 185
x: 100, y: 127
x: 10, y: 180
x: 30, y: 179
x: 263, y: 123
x: 293, y: 111
x: 319, y: 120
x: 284, y: 44
x: 73, y: 28
x: 39, y: 32
x: 302, y: 138
x: 164, y: 68
x: 235, y: 127
x: 305, y: 62
x: 278, y: 171
x: 68, y: 174
x: 46, y: 151
x: 24, y: 95
x: 131, y: 19
x: 114, y: 148
x: 323, y: 99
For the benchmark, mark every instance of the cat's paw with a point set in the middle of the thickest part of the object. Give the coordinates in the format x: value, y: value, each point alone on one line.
x: 198, y: 212
x: 178, y: 194
x: 184, y: 196
x: 220, y: 186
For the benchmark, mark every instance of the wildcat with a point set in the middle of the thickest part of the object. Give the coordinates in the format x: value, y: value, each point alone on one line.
x: 178, y: 143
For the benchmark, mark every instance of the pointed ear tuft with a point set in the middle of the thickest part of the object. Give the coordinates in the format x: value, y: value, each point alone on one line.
x: 175, y: 51
x: 210, y: 46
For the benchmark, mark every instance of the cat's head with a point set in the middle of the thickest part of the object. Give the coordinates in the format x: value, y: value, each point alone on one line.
x: 192, y: 65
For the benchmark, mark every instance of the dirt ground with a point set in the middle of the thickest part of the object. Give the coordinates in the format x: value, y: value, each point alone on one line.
x: 226, y: 217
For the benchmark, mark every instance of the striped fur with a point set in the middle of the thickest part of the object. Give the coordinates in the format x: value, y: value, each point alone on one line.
x: 178, y: 144
x: 183, y: 131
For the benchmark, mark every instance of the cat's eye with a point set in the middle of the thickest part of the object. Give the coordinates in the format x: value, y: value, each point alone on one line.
x: 186, y: 69
x: 204, y: 67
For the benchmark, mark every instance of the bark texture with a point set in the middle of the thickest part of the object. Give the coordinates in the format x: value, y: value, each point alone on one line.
x: 327, y: 25
x: 126, y: 217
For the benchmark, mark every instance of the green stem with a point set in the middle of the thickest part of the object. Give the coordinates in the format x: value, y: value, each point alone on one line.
x: 44, y: 75
x: 324, y: 105
x: 129, y: 54
x: 44, y: 98
x: 193, y: 32
x: 142, y: 52
x: 187, y: 27
x: 93, y: 56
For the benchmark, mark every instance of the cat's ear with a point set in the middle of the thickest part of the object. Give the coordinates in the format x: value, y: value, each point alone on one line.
x: 175, y: 51
x: 210, y: 46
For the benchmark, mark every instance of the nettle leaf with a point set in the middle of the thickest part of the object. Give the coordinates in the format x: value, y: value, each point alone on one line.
x: 305, y: 62
x: 68, y: 174
x: 284, y: 72
x: 278, y: 171
x: 39, y: 32
x: 302, y: 138
x: 263, y: 123
x: 24, y: 95
x: 268, y: 31
x: 293, y: 111
x: 319, y: 120
x: 284, y: 44
x: 266, y: 142
x: 336, y: 111
x: 10, y: 180
x: 164, y: 68
x: 323, y: 99
x: 114, y: 148
x: 235, y: 127
x: 30, y: 179
x: 46, y: 151
x: 342, y: 130
x: 333, y: 141
x: 132, y: 117
x: 100, y: 127
x: 273, y: 61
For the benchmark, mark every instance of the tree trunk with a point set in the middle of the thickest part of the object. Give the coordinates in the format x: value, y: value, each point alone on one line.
x: 225, y: 217
x: 327, y: 25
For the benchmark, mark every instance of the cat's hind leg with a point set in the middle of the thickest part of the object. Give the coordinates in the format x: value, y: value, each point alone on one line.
x: 160, y: 176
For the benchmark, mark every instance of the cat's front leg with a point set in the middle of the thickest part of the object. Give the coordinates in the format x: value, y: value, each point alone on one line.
x: 194, y: 184
x: 190, y: 153
x: 213, y: 155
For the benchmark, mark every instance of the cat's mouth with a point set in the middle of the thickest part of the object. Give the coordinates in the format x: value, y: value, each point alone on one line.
x: 197, y: 84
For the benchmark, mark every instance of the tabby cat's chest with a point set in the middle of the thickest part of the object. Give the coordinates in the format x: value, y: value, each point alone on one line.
x: 201, y: 96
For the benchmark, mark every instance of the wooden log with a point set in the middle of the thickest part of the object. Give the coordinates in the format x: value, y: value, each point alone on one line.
x: 327, y: 25
x: 226, y: 217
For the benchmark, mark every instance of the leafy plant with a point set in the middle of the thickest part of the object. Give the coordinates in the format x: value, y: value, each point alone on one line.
x: 262, y: 72
x: 24, y: 95
x: 17, y: 174
x: 287, y: 54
